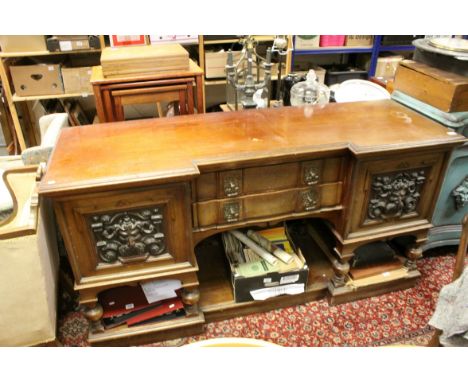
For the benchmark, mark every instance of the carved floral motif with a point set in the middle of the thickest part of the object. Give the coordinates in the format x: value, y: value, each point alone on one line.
x: 460, y: 194
x: 128, y: 235
x: 396, y: 194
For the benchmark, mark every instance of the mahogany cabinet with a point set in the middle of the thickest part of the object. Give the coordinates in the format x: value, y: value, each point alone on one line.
x: 154, y: 190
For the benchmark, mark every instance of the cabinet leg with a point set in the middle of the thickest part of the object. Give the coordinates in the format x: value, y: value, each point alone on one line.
x: 93, y: 312
x: 190, y: 298
x: 413, y: 254
x: 341, y: 269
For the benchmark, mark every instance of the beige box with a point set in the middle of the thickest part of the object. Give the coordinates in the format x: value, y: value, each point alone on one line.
x: 359, y: 40
x: 215, y: 63
x: 77, y: 80
x: 34, y: 80
x: 306, y: 42
x: 31, y: 43
x: 387, y: 66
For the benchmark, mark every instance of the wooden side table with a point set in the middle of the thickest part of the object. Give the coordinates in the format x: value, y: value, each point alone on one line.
x: 112, y: 94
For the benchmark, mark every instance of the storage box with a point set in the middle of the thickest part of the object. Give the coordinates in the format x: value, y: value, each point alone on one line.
x: 445, y: 91
x: 269, y: 283
x: 215, y: 63
x: 77, y: 80
x: 359, y: 40
x: 332, y: 40
x: 141, y: 60
x: 73, y: 42
x: 399, y: 39
x: 336, y: 75
x: 387, y: 66
x: 306, y: 42
x: 180, y: 39
x: 23, y: 43
x: 34, y: 80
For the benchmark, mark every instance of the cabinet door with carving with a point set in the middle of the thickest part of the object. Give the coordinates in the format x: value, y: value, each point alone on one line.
x: 129, y: 232
x: 395, y: 191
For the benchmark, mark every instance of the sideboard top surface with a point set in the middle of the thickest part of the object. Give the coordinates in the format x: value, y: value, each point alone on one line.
x: 138, y: 152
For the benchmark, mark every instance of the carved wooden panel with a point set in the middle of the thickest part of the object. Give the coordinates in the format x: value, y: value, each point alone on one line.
x: 460, y: 194
x: 127, y: 232
x: 128, y: 236
x: 396, y: 194
x: 398, y: 191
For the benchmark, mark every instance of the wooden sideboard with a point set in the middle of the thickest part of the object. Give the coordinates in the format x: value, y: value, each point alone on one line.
x: 372, y: 170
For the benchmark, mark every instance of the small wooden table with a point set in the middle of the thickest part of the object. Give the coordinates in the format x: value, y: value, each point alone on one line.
x: 112, y: 94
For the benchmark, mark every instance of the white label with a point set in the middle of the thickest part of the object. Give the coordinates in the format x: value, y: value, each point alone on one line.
x: 267, y: 280
x: 51, y: 68
x: 129, y: 306
x: 289, y: 279
x: 65, y: 45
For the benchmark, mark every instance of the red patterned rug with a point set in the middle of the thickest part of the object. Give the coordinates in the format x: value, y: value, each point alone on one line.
x: 398, y: 317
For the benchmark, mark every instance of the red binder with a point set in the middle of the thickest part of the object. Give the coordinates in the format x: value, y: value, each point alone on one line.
x: 120, y: 300
x: 167, y: 306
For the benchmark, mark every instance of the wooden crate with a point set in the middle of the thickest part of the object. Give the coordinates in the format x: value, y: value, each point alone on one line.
x: 146, y: 59
x: 444, y: 90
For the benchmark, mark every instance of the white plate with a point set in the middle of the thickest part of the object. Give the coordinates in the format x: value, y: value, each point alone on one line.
x: 360, y: 90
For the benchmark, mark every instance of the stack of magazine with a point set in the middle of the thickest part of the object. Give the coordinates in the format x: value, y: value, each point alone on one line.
x: 137, y: 305
x: 256, y: 253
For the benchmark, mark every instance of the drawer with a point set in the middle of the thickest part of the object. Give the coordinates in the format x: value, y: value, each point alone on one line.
x: 267, y: 205
x: 261, y: 179
x: 129, y: 231
x: 389, y: 191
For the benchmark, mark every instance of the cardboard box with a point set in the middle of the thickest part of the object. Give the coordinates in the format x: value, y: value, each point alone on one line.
x: 215, y: 63
x: 359, y: 40
x: 23, y: 43
x: 445, y: 91
x: 77, y: 80
x: 387, y: 66
x: 35, y: 80
x: 274, y: 282
x: 306, y: 42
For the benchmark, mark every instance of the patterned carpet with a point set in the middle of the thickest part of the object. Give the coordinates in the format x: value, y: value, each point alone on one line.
x: 395, y: 318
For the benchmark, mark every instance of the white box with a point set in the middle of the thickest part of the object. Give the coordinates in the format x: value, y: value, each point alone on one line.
x: 169, y: 39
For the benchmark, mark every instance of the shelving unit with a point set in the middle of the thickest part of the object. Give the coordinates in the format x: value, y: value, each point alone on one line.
x: 15, y: 101
x: 374, y: 50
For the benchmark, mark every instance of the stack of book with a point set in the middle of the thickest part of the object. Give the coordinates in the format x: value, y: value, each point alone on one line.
x: 130, y: 306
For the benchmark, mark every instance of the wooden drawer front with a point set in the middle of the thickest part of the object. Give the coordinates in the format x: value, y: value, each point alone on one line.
x: 261, y: 179
x: 396, y: 190
x: 277, y: 203
x: 125, y: 231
